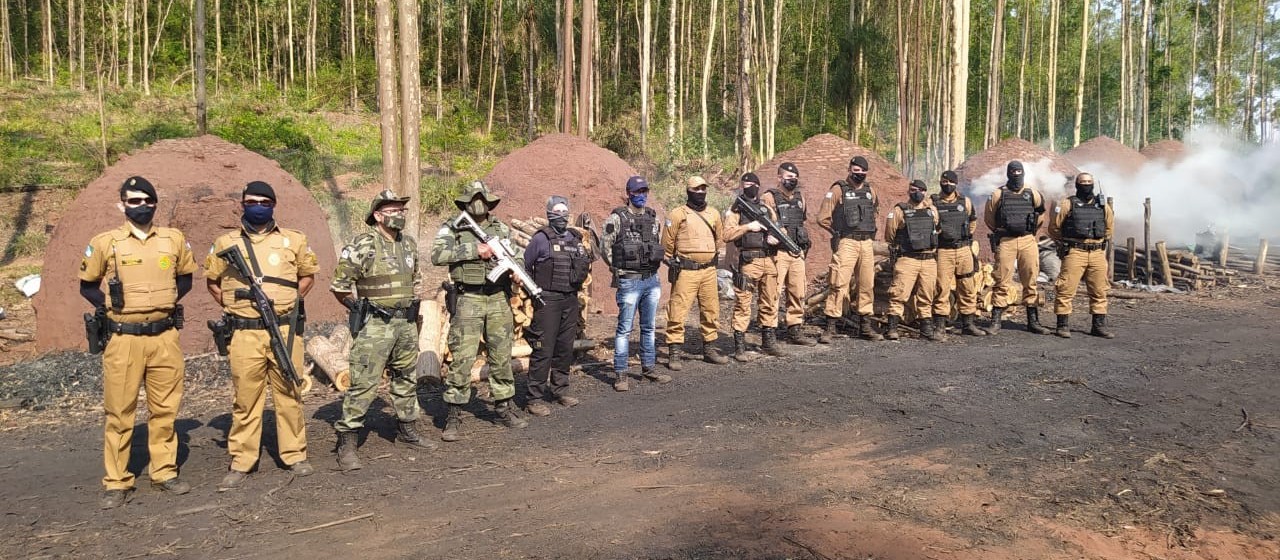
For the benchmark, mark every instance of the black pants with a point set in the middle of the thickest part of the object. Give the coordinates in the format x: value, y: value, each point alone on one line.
x: 554, y: 328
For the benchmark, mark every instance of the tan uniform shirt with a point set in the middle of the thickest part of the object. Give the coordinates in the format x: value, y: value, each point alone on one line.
x: 147, y: 268
x: 281, y: 253
x: 1063, y: 210
x: 687, y: 237
x: 833, y: 199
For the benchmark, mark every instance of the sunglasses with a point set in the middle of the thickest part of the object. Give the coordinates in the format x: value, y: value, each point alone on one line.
x: 140, y: 200
x: 640, y: 191
x: 262, y: 203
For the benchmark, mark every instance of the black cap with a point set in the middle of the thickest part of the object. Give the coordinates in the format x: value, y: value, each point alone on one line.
x: 788, y: 166
x: 259, y: 188
x: 139, y: 184
x: 860, y: 162
x: 918, y: 184
x: 950, y: 175
x: 750, y: 178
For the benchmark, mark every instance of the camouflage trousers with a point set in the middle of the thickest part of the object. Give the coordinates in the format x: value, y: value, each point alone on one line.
x: 480, y: 319
x: 390, y: 344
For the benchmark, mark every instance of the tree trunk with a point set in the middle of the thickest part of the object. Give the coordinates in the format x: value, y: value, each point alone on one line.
x: 6, y: 43
x: 1219, y: 79
x: 1251, y: 99
x: 706, y: 74
x: 351, y: 53
x: 959, y: 80
x: 1084, y: 57
x: 646, y: 70
x: 47, y: 28
x: 1191, y: 74
x: 991, y: 133
x: 772, y: 113
x: 1052, y: 87
x: 1022, y: 71
x: 587, y: 67
x: 745, y: 155
x: 439, y: 60
x: 464, y: 63
x: 197, y: 49
x: 1144, y: 82
x: 217, y: 45
x: 566, y: 68
x: 497, y: 63
x: 671, y: 77
x: 71, y: 41
x: 387, y: 94
x: 411, y: 112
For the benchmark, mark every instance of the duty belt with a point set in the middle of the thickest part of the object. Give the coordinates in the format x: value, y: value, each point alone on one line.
x: 858, y: 235
x: 686, y: 264
x: 918, y: 255
x: 482, y: 289
x: 245, y: 323
x: 633, y: 275
x: 1084, y: 246
x: 144, y: 329
x: 750, y: 255
x: 954, y: 244
x: 395, y: 312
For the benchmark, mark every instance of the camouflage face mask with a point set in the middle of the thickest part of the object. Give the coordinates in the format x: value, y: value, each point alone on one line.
x: 393, y: 223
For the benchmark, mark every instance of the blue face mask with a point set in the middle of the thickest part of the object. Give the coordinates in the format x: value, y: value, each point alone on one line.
x: 638, y: 199
x: 258, y: 215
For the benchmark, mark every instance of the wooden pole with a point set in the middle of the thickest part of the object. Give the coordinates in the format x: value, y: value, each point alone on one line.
x: 1146, y: 237
x: 1166, y: 274
x: 1261, y: 263
x: 1132, y: 269
x: 1226, y: 248
x: 1111, y: 244
x: 202, y: 120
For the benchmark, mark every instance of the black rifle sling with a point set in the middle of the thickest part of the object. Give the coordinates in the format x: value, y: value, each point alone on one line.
x: 257, y: 272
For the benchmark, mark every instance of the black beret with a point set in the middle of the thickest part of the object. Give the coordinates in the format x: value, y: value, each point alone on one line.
x: 259, y: 188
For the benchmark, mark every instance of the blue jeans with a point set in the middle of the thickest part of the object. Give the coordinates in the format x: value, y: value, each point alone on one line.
x: 637, y: 294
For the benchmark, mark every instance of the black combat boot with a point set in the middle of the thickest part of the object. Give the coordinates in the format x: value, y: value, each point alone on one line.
x: 997, y: 316
x: 969, y: 326
x: 867, y: 327
x: 740, y: 352
x: 509, y: 415
x: 1100, y: 327
x: 769, y: 342
x: 347, y: 458
x: 795, y: 335
x: 892, y: 332
x: 1064, y: 328
x: 940, y: 325
x: 713, y: 355
x: 829, y: 332
x: 452, y: 424
x: 407, y: 433
x: 1033, y: 321
x: 928, y: 331
x: 673, y: 357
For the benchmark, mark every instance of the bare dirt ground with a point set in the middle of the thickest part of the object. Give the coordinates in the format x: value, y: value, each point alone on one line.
x: 1159, y: 444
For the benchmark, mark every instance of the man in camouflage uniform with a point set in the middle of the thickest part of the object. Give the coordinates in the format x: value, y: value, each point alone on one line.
x: 382, y: 267
x: 482, y: 311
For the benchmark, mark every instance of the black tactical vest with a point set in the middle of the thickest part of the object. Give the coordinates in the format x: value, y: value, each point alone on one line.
x: 1087, y: 220
x: 791, y: 216
x: 856, y: 212
x: 567, y: 266
x: 636, y: 247
x: 917, y: 231
x: 753, y: 240
x: 1017, y: 213
x: 953, y: 220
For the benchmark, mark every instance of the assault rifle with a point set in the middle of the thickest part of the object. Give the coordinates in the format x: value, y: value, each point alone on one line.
x: 266, y: 308
x: 755, y: 213
x: 503, y: 259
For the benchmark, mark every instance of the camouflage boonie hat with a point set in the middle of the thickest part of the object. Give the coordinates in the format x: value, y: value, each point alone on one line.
x: 384, y: 197
x: 474, y: 189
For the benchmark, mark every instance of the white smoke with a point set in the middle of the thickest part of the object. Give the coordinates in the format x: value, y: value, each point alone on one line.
x: 1038, y: 174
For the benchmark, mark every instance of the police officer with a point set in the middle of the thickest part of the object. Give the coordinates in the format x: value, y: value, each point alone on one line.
x: 911, y: 231
x: 633, y: 249
x: 957, y: 261
x: 691, y: 245
x: 287, y: 268
x: 559, y: 263
x: 787, y: 203
x: 755, y: 273
x: 482, y: 310
x: 849, y: 213
x: 148, y: 269
x: 1082, y: 226
x: 381, y: 268
x: 1015, y: 212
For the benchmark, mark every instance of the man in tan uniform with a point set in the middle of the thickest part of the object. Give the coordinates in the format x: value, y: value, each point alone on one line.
x: 287, y: 271
x: 1015, y: 213
x: 911, y: 231
x: 849, y: 212
x: 148, y: 269
x: 691, y: 246
x: 957, y: 260
x: 1082, y: 226
x: 755, y: 274
x: 787, y: 203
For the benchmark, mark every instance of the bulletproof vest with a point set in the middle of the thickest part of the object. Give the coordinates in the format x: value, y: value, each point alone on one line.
x: 694, y: 237
x: 1087, y: 220
x: 637, y: 247
x: 472, y: 272
x: 917, y: 231
x: 566, y: 267
x: 791, y: 215
x: 856, y: 212
x: 953, y: 220
x: 387, y: 275
x: 145, y: 270
x: 1017, y: 212
x: 276, y: 254
x: 752, y: 240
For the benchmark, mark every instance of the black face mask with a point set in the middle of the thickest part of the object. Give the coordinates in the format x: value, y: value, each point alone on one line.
x: 916, y: 196
x: 1084, y: 192
x: 751, y: 192
x: 948, y: 188
x: 140, y: 215
x: 1015, y: 181
x: 697, y: 200
x: 858, y: 178
x: 559, y: 223
x: 790, y: 184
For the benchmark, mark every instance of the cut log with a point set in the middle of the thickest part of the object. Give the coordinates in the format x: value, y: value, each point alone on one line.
x: 1164, y: 263
x: 430, y: 362
x: 526, y: 227
x: 1260, y: 263
x: 331, y: 360
x: 16, y: 335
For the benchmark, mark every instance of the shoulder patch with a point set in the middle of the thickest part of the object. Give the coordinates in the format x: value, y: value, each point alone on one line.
x: 88, y: 251
x: 890, y: 216
x: 443, y: 231
x: 828, y: 194
x: 668, y: 222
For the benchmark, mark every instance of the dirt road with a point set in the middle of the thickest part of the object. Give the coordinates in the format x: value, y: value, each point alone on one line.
x: 1020, y: 446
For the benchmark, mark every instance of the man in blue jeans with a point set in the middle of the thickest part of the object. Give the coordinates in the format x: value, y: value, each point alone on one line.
x: 633, y: 249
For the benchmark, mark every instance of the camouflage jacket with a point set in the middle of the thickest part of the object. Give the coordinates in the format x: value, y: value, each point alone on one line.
x: 381, y: 269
